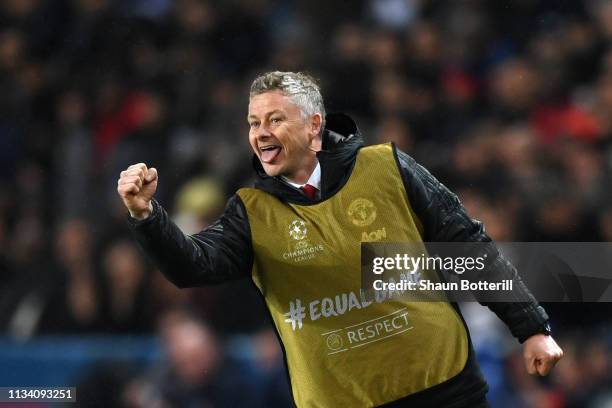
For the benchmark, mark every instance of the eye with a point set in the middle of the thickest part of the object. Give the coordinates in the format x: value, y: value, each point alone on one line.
x: 254, y: 125
x: 276, y: 120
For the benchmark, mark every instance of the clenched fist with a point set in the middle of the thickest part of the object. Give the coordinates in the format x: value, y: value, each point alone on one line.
x: 541, y: 353
x: 136, y: 187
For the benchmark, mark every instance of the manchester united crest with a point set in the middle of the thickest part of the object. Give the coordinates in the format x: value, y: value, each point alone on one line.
x: 362, y: 212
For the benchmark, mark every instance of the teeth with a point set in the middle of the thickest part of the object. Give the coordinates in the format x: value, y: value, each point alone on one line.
x: 268, y: 147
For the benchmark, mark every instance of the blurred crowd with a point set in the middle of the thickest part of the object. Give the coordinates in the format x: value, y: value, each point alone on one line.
x: 509, y: 103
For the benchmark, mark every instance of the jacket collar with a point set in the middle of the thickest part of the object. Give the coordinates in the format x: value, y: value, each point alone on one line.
x: 340, y: 145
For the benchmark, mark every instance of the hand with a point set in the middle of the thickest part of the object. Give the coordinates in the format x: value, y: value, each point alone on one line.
x: 541, y: 353
x: 136, y: 187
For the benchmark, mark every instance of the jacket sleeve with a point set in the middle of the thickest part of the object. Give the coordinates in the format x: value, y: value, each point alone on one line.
x: 221, y: 252
x: 444, y: 219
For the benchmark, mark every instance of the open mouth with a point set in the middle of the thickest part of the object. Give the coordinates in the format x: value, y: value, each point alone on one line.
x: 269, y: 153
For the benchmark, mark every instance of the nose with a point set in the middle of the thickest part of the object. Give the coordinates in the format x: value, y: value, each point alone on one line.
x: 262, y: 132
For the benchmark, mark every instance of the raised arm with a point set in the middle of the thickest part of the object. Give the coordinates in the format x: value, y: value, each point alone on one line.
x: 222, y: 252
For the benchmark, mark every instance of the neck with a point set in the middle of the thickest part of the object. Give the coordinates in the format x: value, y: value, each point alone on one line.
x: 302, y: 175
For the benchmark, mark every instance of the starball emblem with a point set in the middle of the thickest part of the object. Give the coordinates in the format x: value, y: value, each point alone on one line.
x: 298, y: 230
x: 299, y: 247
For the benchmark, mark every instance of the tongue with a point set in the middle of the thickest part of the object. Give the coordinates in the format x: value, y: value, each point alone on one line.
x: 268, y: 155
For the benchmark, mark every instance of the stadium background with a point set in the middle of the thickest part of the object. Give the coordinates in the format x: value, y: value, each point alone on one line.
x: 507, y: 102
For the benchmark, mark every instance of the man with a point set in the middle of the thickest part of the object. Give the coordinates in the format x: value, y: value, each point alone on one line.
x: 297, y: 235
x: 195, y: 372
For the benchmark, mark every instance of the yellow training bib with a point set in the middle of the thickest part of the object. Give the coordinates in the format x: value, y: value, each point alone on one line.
x: 343, y: 348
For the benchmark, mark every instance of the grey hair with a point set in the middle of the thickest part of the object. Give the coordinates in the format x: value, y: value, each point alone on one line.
x: 301, y: 88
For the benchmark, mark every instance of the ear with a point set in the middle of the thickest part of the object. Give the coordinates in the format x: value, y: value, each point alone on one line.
x: 316, y: 121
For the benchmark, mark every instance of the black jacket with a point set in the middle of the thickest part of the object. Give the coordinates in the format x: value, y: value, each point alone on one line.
x: 223, y: 251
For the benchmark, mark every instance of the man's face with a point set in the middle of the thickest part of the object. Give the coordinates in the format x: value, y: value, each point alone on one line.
x: 283, y: 140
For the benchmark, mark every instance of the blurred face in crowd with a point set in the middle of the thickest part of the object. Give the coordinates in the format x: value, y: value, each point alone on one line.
x: 124, y: 266
x: 284, y: 140
x: 73, y: 242
x: 192, y: 349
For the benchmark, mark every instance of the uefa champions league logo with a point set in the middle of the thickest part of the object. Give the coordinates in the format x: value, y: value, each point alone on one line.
x: 298, y: 230
x: 299, y: 248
